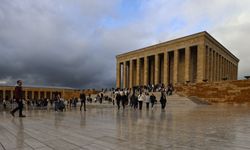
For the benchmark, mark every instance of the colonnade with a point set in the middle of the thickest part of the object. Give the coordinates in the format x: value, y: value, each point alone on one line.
x: 219, y: 66
x: 29, y: 94
x: 198, y: 63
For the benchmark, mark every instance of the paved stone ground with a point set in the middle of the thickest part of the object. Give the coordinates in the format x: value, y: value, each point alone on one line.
x: 184, y: 125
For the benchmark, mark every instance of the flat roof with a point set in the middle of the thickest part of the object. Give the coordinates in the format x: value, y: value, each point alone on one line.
x: 47, y: 87
x: 205, y: 33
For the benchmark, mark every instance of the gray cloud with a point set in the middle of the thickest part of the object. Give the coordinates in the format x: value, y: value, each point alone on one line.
x: 68, y: 43
x: 43, y: 47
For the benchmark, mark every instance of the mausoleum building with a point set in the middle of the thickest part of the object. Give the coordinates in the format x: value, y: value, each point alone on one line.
x: 194, y: 58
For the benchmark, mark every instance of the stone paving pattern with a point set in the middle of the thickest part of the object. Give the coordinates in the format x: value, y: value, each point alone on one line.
x: 183, y: 125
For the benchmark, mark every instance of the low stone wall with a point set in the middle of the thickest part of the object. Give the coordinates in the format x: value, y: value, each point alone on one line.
x: 224, y: 91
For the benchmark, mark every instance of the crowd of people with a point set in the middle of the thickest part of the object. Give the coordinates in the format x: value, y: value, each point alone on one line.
x: 134, y: 98
x: 138, y: 95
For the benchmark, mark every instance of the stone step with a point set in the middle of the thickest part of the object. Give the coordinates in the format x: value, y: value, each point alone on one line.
x: 172, y: 99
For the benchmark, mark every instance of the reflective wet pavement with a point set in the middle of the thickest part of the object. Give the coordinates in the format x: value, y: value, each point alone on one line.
x: 184, y: 125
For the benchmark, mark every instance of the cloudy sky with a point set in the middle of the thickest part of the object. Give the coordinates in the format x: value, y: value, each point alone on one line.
x: 73, y: 43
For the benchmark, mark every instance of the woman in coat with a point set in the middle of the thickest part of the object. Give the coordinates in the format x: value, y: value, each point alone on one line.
x: 163, y: 100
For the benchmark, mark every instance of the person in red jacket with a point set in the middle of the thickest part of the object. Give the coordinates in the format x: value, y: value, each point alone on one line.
x: 19, y: 99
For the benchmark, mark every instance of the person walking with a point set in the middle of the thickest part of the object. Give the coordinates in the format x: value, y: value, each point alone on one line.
x: 113, y: 97
x: 152, y: 100
x: 4, y: 104
x: 83, y: 101
x: 56, y: 101
x: 19, y: 99
x: 141, y: 98
x: 163, y: 100
x: 124, y: 100
x: 118, y: 100
x: 101, y: 98
x: 147, y: 100
x: 134, y: 101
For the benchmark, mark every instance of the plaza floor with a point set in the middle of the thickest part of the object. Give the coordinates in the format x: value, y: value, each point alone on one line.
x: 183, y: 125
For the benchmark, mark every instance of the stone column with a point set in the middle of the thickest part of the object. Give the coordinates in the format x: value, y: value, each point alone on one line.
x: 201, y: 63
x: 226, y: 69
x: 231, y: 66
x: 211, y: 65
x: 124, y: 74
x: 4, y: 95
x: 138, y: 71
x: 236, y: 76
x: 165, y: 66
x: 146, y: 70
x: 219, y: 67
x: 215, y: 66
x: 50, y: 95
x: 225, y: 66
x: 33, y: 94
x: 26, y: 94
x: 229, y: 71
x: 45, y: 94
x: 231, y: 76
x: 11, y: 94
x: 223, y: 69
x: 156, y: 69
x: 118, y: 74
x: 176, y: 61
x: 39, y: 94
x: 187, y: 64
x: 207, y: 63
x: 130, y: 73
x: 233, y: 71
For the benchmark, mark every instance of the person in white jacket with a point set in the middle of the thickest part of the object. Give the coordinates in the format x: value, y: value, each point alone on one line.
x: 141, y: 98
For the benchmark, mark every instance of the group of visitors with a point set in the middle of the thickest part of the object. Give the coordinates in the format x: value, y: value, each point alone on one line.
x: 137, y: 98
x: 134, y: 98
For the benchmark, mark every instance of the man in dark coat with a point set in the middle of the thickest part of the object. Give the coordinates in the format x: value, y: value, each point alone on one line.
x: 124, y: 100
x: 19, y: 99
x: 152, y: 100
x: 118, y: 100
x: 83, y: 101
x: 163, y: 100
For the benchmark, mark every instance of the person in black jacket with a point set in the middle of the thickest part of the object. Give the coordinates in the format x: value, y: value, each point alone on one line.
x: 83, y: 101
x: 19, y: 99
x: 134, y: 100
x: 124, y: 100
x: 118, y: 100
x: 152, y: 100
x: 163, y: 100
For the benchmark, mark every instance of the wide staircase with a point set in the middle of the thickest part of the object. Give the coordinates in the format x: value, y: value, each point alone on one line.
x: 172, y: 100
x: 176, y: 100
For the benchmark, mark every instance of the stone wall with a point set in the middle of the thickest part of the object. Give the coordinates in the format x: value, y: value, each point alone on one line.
x: 224, y: 91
